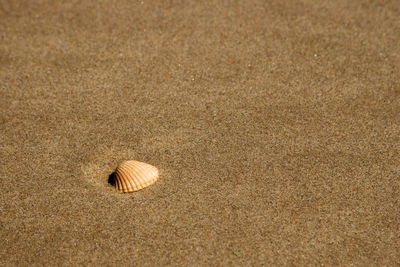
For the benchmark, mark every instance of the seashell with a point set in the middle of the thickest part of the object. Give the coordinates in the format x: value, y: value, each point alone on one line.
x: 134, y: 175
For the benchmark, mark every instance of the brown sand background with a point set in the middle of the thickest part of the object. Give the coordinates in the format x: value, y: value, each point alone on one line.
x: 275, y: 124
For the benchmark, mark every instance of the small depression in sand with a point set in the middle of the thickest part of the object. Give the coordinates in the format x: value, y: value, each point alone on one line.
x: 99, y: 175
x: 98, y: 168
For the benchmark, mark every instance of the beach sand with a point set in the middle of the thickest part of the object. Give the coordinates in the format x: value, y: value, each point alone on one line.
x: 275, y: 126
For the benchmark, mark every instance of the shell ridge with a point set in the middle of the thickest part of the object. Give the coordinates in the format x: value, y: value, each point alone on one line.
x: 141, y: 174
x: 134, y: 175
x: 118, y: 185
x: 141, y: 170
x: 153, y: 176
x: 123, y: 186
x: 124, y: 179
x: 131, y: 185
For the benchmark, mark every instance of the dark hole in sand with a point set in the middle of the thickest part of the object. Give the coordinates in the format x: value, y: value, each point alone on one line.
x: 111, y: 179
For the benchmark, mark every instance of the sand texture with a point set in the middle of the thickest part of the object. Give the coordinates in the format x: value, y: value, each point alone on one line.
x: 275, y: 126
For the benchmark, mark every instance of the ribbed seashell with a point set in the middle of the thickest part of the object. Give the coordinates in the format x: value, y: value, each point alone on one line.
x: 134, y: 175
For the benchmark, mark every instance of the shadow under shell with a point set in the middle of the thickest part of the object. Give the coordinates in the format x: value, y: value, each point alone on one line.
x: 111, y: 179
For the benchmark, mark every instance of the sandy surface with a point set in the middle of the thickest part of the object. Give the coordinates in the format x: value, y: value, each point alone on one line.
x: 275, y: 124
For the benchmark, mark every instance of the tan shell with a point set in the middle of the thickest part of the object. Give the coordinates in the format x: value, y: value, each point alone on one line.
x: 133, y: 175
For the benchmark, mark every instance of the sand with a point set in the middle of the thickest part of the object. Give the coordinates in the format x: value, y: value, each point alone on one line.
x: 275, y: 125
